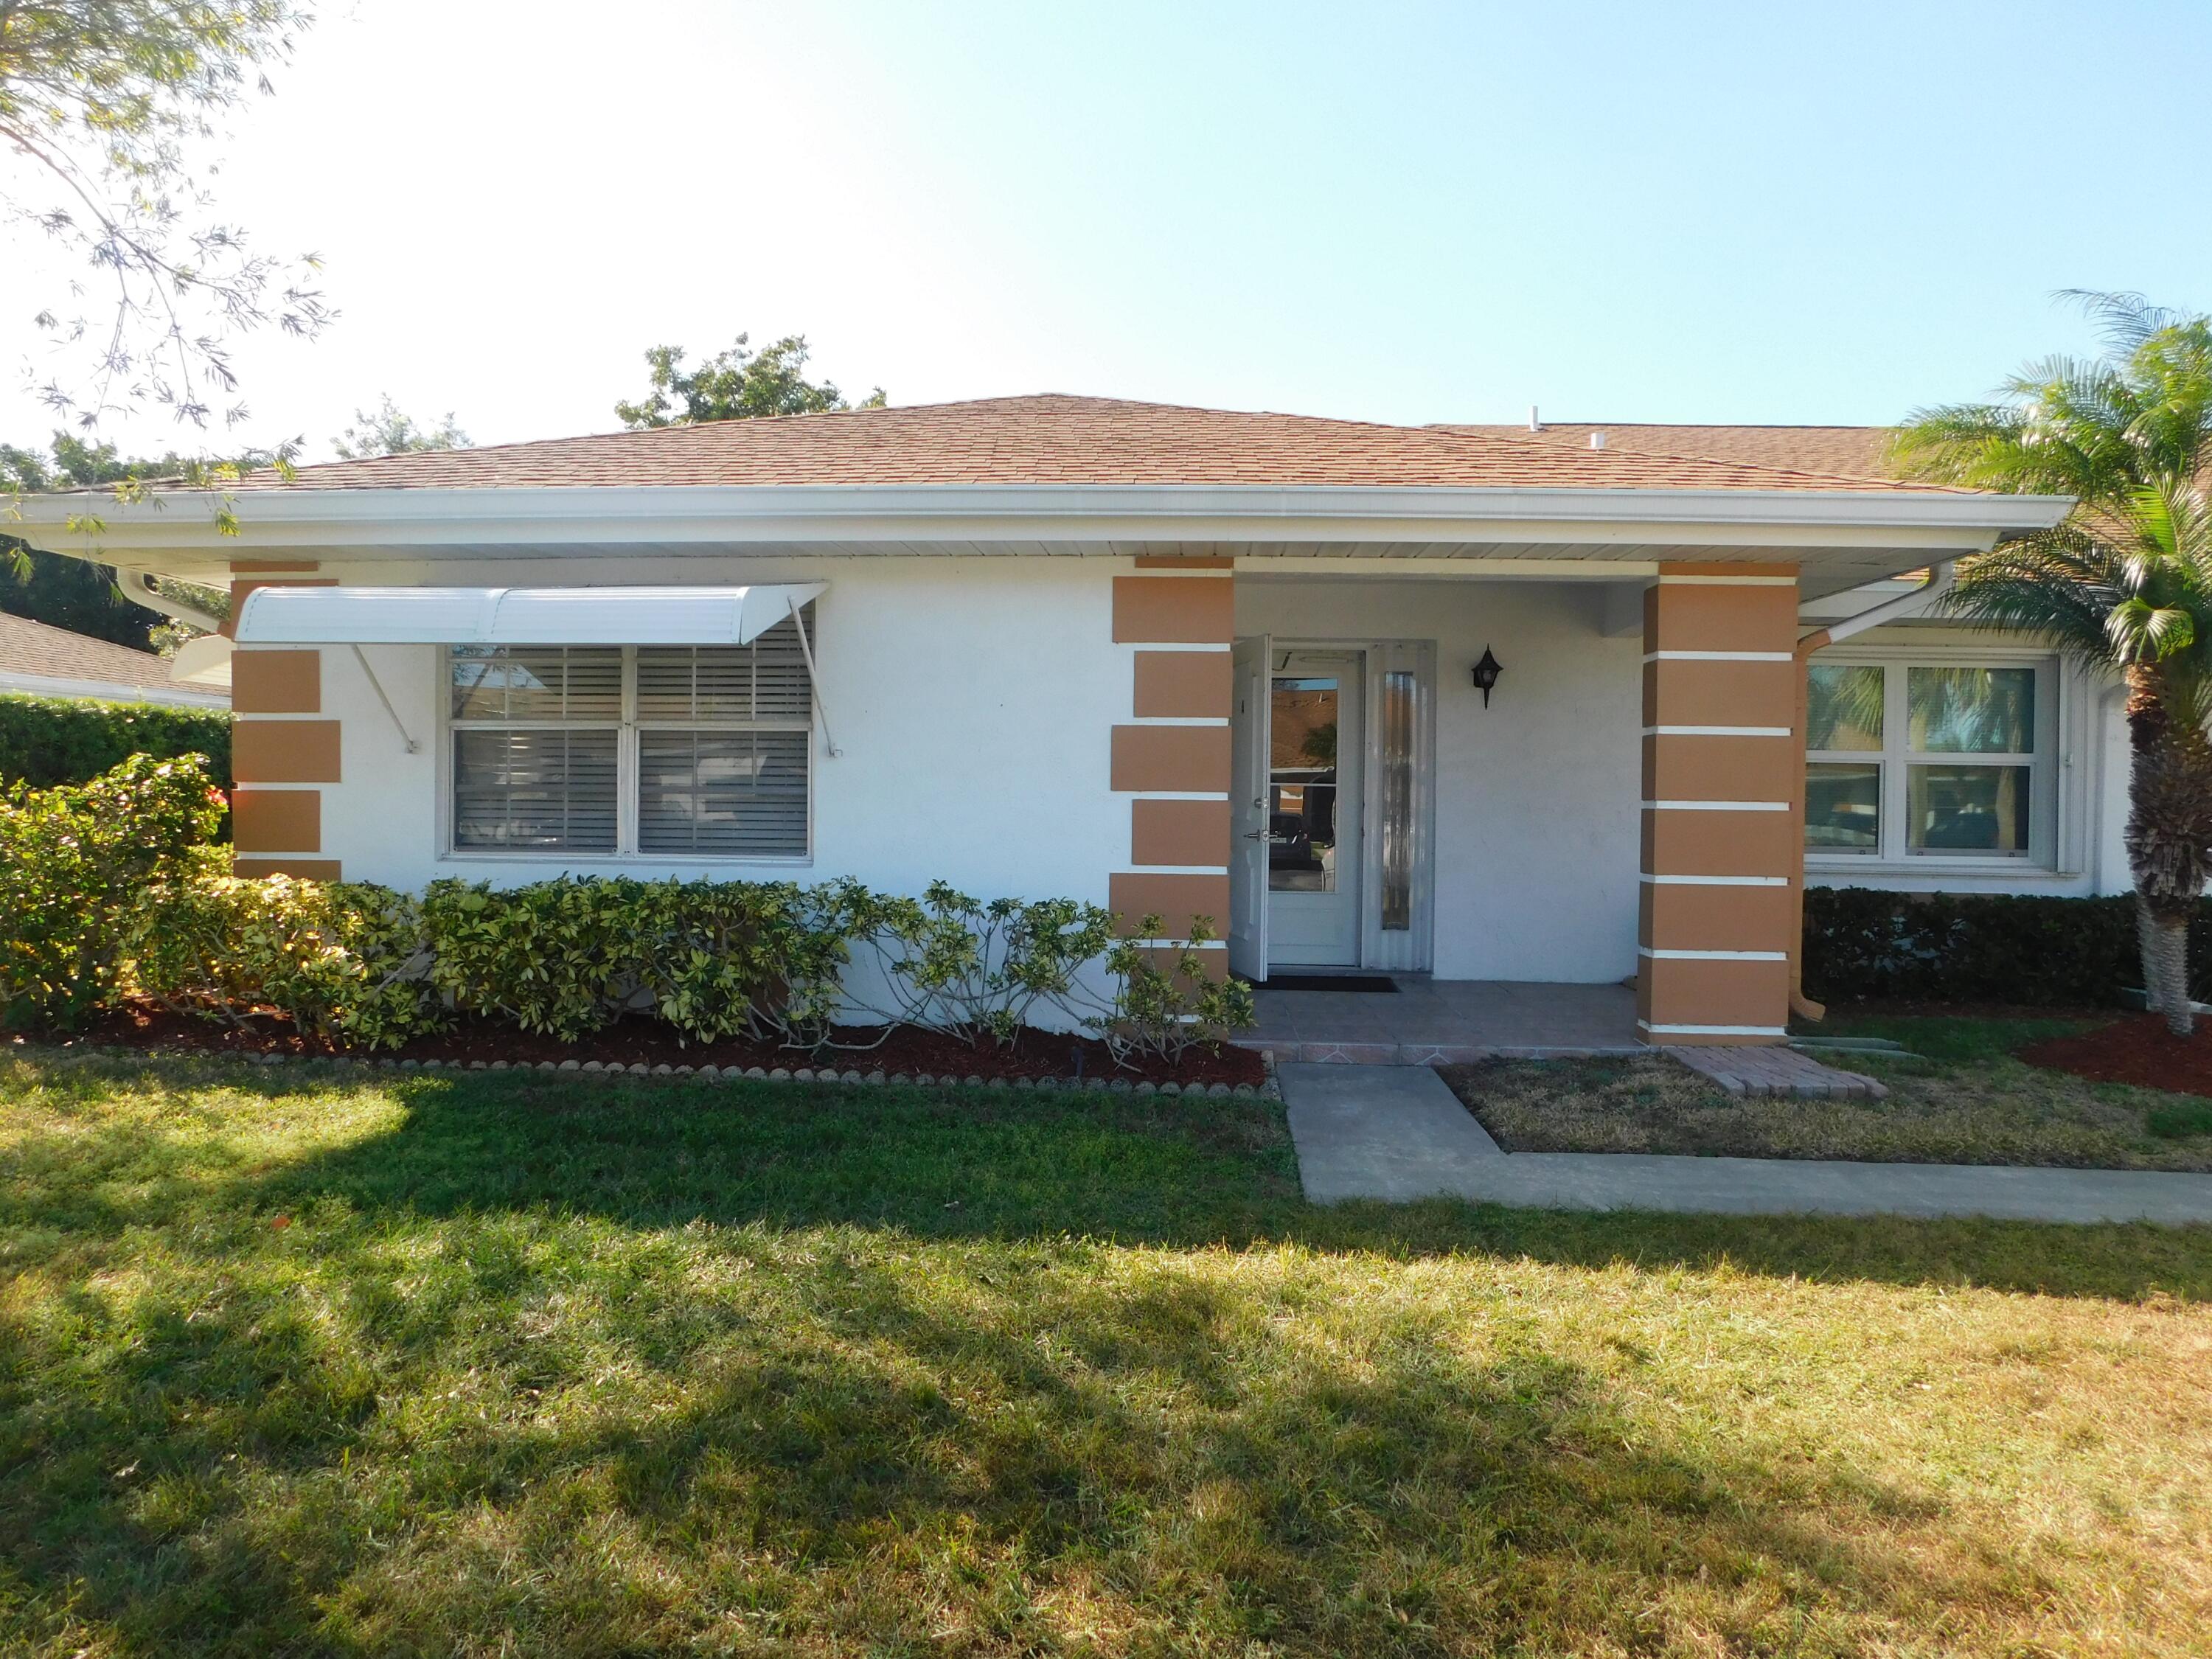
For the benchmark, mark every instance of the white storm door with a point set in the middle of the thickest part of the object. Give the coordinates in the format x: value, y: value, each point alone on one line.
x: 1317, y: 745
x: 1247, y: 809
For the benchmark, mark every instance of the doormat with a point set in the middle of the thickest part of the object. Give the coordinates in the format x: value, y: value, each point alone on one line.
x: 1330, y: 982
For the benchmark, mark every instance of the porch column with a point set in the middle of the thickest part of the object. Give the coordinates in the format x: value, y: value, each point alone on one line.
x: 1721, y: 770
x: 1170, y: 759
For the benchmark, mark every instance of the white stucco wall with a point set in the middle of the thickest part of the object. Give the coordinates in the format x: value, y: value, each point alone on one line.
x: 972, y: 699
x: 1538, y: 795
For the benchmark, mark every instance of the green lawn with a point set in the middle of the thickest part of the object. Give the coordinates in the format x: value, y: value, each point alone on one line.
x: 334, y: 1364
x: 1961, y: 1098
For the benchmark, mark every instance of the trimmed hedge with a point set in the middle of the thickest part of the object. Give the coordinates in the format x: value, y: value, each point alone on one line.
x: 1951, y: 947
x: 111, y: 891
x: 49, y: 741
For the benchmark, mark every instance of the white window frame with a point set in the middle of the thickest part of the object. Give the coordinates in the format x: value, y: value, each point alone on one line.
x: 627, y: 780
x: 1896, y: 754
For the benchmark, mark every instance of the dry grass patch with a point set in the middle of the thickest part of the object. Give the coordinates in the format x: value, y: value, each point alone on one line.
x: 1966, y: 1101
x: 557, y: 1368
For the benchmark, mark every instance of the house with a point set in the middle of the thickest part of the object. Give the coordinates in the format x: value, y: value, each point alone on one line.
x: 1181, y: 661
x: 53, y: 662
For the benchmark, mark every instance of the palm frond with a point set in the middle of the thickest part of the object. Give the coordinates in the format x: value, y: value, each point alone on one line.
x: 2125, y: 321
x: 2058, y: 586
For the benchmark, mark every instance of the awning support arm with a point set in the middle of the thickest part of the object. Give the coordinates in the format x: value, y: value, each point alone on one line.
x: 814, y: 679
x: 359, y: 656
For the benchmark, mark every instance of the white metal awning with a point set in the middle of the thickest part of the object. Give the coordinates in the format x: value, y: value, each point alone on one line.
x: 517, y: 615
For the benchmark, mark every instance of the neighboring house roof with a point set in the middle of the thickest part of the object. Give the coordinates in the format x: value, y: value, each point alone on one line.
x: 1856, y: 452
x: 1053, y: 439
x: 56, y: 663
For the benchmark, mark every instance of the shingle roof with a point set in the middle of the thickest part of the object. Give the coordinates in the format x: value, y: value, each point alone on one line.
x: 37, y: 648
x: 1857, y: 452
x: 1053, y: 439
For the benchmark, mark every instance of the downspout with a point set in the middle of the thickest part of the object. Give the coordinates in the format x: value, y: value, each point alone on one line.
x: 140, y: 591
x: 1942, y: 576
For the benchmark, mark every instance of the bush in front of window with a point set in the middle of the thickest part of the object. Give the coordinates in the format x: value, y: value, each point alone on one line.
x: 73, y: 860
x: 48, y: 741
x: 114, y: 891
x: 712, y: 958
x: 1863, y: 943
x: 973, y: 970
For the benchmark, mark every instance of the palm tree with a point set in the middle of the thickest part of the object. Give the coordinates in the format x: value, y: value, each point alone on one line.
x: 2125, y: 583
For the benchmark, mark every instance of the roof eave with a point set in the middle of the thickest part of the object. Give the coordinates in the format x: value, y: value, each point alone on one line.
x: 602, y: 515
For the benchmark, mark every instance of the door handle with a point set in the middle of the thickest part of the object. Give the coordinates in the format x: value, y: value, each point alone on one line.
x: 1267, y: 835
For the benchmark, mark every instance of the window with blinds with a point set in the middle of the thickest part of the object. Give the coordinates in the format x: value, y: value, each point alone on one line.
x: 686, y: 751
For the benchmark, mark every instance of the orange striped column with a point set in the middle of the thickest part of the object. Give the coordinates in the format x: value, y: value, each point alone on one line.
x: 284, y: 750
x: 1170, y: 759
x: 1721, y: 770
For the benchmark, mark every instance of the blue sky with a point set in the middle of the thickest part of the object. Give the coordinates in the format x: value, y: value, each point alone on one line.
x: 1694, y: 212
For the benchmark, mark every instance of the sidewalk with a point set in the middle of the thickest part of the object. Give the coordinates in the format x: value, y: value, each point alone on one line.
x: 1396, y: 1132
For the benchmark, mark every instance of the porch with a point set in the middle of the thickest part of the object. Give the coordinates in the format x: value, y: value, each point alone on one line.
x: 1425, y: 1020
x: 1612, y: 804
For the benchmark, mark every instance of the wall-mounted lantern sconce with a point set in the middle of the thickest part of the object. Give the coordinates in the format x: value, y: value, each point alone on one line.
x: 1485, y: 675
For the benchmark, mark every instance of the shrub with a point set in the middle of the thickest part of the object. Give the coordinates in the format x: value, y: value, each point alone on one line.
x: 976, y: 970
x: 340, y: 959
x: 563, y: 957
x: 49, y: 741
x: 72, y: 861
x: 1167, y: 1000
x: 1950, y: 947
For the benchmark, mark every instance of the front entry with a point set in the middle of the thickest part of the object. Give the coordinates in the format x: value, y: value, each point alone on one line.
x: 1330, y: 804
x: 1315, y: 801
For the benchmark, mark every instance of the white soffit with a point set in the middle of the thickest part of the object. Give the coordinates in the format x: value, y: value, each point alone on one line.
x: 517, y: 615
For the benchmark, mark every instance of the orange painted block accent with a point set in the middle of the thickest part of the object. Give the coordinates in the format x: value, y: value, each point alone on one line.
x: 284, y: 751
x: 1164, y: 610
x: 1720, y: 618
x: 1720, y: 694
x: 1179, y: 832
x: 299, y: 869
x: 1715, y: 918
x: 1170, y: 758
x: 1176, y: 561
x: 271, y: 567
x: 1177, y: 900
x: 277, y: 683
x: 1707, y: 993
x: 277, y: 820
x: 1186, y: 683
x: 1720, y: 844
x: 1678, y: 768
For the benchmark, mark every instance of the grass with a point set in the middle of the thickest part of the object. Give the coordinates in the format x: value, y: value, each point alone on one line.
x: 314, y: 1364
x: 1961, y: 1099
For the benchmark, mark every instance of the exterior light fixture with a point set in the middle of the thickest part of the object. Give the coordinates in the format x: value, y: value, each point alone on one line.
x: 1485, y: 675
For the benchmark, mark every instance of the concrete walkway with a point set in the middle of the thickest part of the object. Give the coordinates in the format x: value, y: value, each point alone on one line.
x: 1397, y: 1132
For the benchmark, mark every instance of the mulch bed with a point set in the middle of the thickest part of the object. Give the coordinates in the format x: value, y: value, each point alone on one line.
x: 2138, y: 1050
x: 1033, y: 1054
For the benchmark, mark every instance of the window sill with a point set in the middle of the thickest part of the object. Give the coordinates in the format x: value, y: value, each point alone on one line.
x: 2029, y: 868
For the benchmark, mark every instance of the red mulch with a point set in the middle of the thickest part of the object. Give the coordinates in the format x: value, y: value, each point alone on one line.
x: 633, y: 1042
x: 2138, y: 1049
